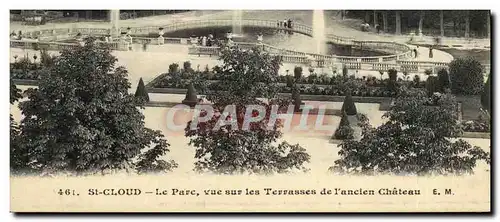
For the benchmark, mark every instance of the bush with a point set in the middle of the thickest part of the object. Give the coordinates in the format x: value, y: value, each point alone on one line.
x: 345, y: 71
x: 173, y: 68
x: 297, y: 101
x: 344, y: 131
x: 141, y: 91
x: 191, y: 96
x: 348, y: 106
x: 253, y: 150
x: 416, y: 81
x: 485, y: 96
x: 428, y: 72
x: 466, y: 76
x: 443, y: 80
x: 312, y: 78
x: 297, y: 72
x: 431, y: 85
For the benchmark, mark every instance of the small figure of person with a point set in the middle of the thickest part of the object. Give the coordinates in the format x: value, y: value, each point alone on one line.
x: 278, y: 23
x: 289, y: 23
x: 415, y: 52
x: 377, y: 27
x: 144, y: 46
x: 430, y: 52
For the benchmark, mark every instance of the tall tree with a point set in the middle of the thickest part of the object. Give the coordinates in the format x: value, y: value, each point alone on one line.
x: 245, y: 75
x: 82, y: 118
x: 417, y: 139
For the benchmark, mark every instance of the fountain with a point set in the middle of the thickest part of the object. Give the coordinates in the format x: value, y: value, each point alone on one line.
x: 237, y: 26
x: 318, y: 28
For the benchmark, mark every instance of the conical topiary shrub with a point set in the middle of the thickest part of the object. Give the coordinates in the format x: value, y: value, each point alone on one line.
x: 141, y: 91
x: 344, y: 131
x: 348, y: 106
x: 191, y: 96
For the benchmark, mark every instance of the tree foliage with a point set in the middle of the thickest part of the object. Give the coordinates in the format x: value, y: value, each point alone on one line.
x: 246, y: 76
x: 344, y: 130
x: 82, y: 119
x: 297, y: 72
x: 191, y: 96
x: 466, y: 76
x: 417, y: 139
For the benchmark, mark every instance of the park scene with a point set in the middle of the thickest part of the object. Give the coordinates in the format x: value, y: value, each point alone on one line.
x: 264, y: 92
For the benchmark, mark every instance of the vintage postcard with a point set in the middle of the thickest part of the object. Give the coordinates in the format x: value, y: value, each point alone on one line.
x: 250, y: 110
